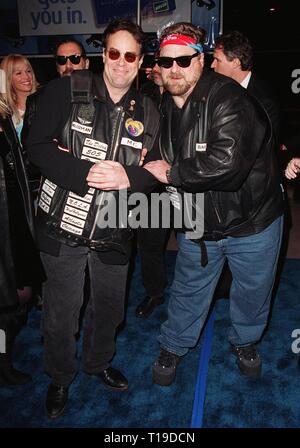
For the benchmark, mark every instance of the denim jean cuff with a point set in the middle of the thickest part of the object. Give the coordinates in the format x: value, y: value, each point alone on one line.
x: 176, y: 351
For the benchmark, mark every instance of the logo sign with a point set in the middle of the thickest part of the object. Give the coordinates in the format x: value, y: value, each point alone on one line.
x: 59, y: 17
x: 162, y: 6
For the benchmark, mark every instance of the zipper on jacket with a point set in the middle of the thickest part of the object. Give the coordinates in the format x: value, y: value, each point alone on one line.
x: 112, y: 156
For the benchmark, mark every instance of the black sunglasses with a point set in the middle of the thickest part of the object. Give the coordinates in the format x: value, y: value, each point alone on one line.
x: 74, y: 59
x: 182, y: 61
x: 152, y: 63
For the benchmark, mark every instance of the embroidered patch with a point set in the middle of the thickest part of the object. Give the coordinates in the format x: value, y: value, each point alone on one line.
x: 81, y: 128
x: 50, y: 191
x: 83, y: 121
x: 86, y: 198
x: 45, y: 198
x: 128, y: 142
x: 71, y: 229
x: 50, y: 184
x: 134, y: 127
x: 94, y: 155
x: 73, y: 221
x: 95, y: 144
x: 75, y: 212
x: 78, y: 204
x: 201, y: 147
x: 44, y: 206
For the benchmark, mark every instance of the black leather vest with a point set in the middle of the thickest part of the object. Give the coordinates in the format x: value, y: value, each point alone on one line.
x: 96, y: 129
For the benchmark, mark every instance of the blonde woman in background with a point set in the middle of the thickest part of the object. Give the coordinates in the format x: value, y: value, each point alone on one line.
x: 20, y: 83
x: 20, y: 265
x: 17, y: 83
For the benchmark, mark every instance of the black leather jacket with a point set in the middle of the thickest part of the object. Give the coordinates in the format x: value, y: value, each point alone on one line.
x: 33, y: 174
x: 237, y: 172
x: 16, y: 212
x: 94, y: 130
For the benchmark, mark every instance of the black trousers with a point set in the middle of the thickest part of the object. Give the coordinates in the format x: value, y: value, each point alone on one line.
x: 152, y: 245
x: 63, y: 298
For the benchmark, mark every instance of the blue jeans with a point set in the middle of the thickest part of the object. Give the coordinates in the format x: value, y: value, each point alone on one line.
x: 252, y: 261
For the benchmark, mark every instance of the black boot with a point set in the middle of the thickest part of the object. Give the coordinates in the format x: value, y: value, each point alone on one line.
x: 146, y: 307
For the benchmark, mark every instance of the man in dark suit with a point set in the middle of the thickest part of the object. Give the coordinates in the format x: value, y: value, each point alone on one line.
x: 233, y: 57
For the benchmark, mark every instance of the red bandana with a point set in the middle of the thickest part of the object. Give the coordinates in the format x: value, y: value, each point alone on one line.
x: 177, y: 39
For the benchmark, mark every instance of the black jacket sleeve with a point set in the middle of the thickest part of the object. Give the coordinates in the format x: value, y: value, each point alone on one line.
x: 140, y: 179
x: 232, y: 144
x: 58, y: 166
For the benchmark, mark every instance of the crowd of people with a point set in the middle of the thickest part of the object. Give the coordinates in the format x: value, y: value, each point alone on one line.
x: 86, y: 142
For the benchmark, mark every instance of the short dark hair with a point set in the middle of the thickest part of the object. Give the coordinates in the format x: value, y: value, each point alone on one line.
x: 123, y: 25
x: 71, y: 41
x: 235, y: 44
x: 186, y: 29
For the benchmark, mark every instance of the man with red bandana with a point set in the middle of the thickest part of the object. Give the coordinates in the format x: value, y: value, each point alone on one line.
x: 210, y: 149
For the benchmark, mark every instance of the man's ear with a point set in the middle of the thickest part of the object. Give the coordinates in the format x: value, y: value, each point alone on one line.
x: 236, y: 63
x: 87, y: 63
x: 103, y: 56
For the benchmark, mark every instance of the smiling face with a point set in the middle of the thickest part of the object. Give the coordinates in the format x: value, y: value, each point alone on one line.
x: 119, y: 74
x: 22, y: 78
x: 180, y: 81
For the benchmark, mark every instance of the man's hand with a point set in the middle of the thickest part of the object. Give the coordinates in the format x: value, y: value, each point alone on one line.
x: 293, y: 168
x: 143, y: 155
x: 108, y: 175
x: 158, y: 168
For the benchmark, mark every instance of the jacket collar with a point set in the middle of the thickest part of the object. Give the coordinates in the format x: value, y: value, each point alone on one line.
x: 101, y: 93
x: 190, y: 110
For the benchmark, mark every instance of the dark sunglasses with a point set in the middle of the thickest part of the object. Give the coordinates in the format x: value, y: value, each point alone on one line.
x: 114, y: 55
x: 74, y: 59
x: 152, y: 63
x: 182, y: 61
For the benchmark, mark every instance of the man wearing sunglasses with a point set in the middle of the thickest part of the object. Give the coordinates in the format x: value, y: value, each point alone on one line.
x: 88, y: 140
x: 70, y: 55
x: 217, y: 141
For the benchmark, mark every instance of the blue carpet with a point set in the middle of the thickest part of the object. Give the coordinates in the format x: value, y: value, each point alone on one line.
x: 200, y: 390
x: 91, y: 405
x: 230, y: 400
x: 233, y: 401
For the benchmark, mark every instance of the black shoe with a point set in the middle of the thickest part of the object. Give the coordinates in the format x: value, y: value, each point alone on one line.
x: 9, y: 375
x: 56, y: 401
x: 145, y: 308
x: 113, y: 378
x: 248, y: 360
x: 164, y: 368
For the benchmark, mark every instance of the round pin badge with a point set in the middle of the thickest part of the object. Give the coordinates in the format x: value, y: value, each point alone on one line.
x: 134, y: 127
